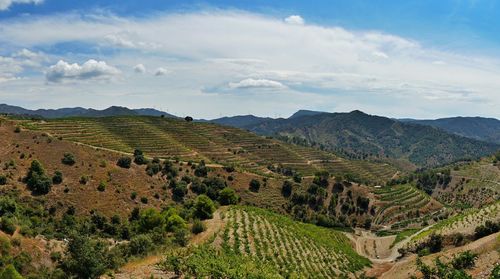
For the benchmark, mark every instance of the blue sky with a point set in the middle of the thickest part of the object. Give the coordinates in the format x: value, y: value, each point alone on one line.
x: 213, y: 58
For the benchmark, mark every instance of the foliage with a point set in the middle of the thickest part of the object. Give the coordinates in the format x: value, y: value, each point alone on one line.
x: 139, y: 158
x: 57, y: 178
x: 3, y: 180
x: 10, y: 272
x: 36, y: 179
x: 228, y: 196
x: 254, y: 185
x: 124, y: 162
x: 287, y: 188
x: 488, y: 228
x: 203, y: 207
x: 198, y: 226
x: 68, y: 159
x: 85, y: 258
x: 456, y: 269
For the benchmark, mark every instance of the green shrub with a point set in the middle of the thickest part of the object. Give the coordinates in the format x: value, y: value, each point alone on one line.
x: 133, y: 195
x: 254, y: 185
x: 3, y: 179
x: 144, y: 200
x: 37, y: 180
x: 204, y: 207
x: 198, y: 226
x: 228, y: 196
x: 57, y: 178
x: 286, y: 188
x: 68, y: 159
x: 102, y: 186
x: 84, y: 179
x: 10, y: 272
x: 175, y: 222
x: 124, y: 162
x: 7, y: 225
x: 140, y: 244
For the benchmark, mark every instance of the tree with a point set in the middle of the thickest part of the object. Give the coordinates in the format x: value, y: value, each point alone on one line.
x: 68, y: 159
x: 36, y: 179
x: 175, y: 222
x: 10, y: 272
x: 149, y: 219
x: 286, y: 188
x: 124, y: 162
x: 204, y: 207
x: 86, y: 258
x: 188, y: 119
x: 139, y: 157
x: 179, y: 191
x: 3, y: 179
x: 321, y: 178
x: 198, y: 226
x: 254, y: 185
x: 228, y: 196
x: 140, y: 244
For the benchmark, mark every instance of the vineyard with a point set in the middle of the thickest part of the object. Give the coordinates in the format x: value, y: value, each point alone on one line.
x: 403, y: 205
x: 291, y: 248
x: 169, y: 138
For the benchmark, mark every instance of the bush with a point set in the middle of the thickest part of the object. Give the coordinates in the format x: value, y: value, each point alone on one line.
x: 201, y: 170
x: 204, y: 207
x: 181, y: 237
x: 3, y: 179
x: 7, y: 225
x: 254, y: 185
x: 228, y: 196
x: 286, y: 188
x: 68, y: 159
x: 102, y: 186
x: 144, y: 200
x: 150, y: 219
x: 84, y: 179
x: 140, y: 245
x: 133, y: 195
x: 10, y: 272
x: 57, y: 178
x: 484, y: 230
x: 7, y: 205
x: 179, y: 191
x: 139, y: 157
x: 465, y: 260
x: 198, y: 226
x: 175, y: 222
x: 124, y: 162
x: 37, y: 180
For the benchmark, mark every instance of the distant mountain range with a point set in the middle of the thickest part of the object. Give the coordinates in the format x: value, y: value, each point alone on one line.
x: 480, y: 128
x: 360, y: 135
x: 80, y: 112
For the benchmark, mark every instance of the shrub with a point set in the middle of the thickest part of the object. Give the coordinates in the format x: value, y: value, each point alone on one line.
x: 144, y: 200
x: 124, y: 162
x: 86, y: 258
x: 465, y: 260
x: 7, y: 225
x: 84, y: 179
x: 140, y: 245
x: 139, y: 157
x: 149, y: 219
x: 228, y: 196
x: 254, y: 185
x: 3, y: 179
x: 198, y: 226
x: 102, y: 186
x: 488, y: 228
x: 201, y: 170
x: 133, y: 195
x: 181, y: 237
x: 10, y: 272
x: 37, y: 180
x: 68, y: 159
x: 57, y: 178
x: 175, y: 222
x: 204, y: 207
x: 7, y: 205
x: 179, y: 191
x: 321, y: 179
x: 17, y: 129
x: 286, y: 189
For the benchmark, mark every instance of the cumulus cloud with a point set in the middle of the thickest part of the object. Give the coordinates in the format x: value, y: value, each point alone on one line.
x: 295, y: 19
x: 161, y: 71
x: 92, y: 69
x: 139, y: 68
x: 5, y: 4
x: 256, y: 83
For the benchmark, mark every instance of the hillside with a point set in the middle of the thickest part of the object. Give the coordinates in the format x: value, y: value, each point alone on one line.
x: 279, y: 246
x: 480, y: 128
x: 172, y: 138
x: 360, y: 135
x: 78, y: 111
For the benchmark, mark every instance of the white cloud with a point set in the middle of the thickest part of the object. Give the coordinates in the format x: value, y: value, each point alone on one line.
x: 256, y: 83
x: 5, y: 4
x: 139, y: 68
x: 91, y: 69
x: 209, y: 48
x: 161, y: 71
x: 295, y: 19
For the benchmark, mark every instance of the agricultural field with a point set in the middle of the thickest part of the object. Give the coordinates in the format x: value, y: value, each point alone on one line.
x: 403, y: 205
x: 286, y: 247
x: 173, y: 138
x: 473, y: 184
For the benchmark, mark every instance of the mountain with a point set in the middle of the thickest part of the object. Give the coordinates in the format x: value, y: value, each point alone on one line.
x: 240, y: 121
x: 80, y: 112
x: 480, y: 128
x: 360, y: 135
x: 304, y: 112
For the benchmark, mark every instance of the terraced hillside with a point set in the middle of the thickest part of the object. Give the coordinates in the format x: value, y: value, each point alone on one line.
x: 289, y: 248
x: 473, y: 184
x: 168, y: 138
x: 403, y: 205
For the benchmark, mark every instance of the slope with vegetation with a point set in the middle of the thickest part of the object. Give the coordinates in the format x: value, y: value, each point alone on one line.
x: 277, y: 246
x: 171, y: 138
x: 360, y: 135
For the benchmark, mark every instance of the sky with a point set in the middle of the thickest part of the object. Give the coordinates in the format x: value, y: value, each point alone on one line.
x: 207, y: 59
